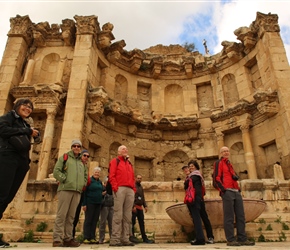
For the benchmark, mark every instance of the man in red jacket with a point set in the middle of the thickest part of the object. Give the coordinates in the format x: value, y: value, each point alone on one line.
x: 122, y: 179
x: 233, y: 207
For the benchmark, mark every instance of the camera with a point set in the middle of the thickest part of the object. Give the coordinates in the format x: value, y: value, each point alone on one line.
x: 235, y: 177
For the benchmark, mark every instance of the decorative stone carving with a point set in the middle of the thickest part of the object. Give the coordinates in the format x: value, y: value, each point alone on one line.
x: 20, y: 26
x: 246, y: 36
x: 265, y: 23
x: 105, y: 36
x: 87, y: 25
x: 268, y: 108
x: 68, y: 32
x: 233, y: 50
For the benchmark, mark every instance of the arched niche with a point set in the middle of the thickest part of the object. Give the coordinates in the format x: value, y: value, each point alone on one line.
x: 121, y: 89
x: 113, y: 150
x: 230, y: 90
x: 172, y: 164
x: 173, y: 95
x: 237, y: 158
x: 49, y: 68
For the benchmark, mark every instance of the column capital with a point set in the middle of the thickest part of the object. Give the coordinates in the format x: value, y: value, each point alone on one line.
x: 245, y: 128
x: 21, y: 26
x: 87, y: 25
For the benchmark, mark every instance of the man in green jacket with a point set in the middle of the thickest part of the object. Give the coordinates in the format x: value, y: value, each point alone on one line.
x: 71, y: 174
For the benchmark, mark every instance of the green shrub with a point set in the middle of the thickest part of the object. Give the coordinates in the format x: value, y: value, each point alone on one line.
x: 29, y: 236
x: 41, y: 227
x: 285, y: 226
x: 269, y: 228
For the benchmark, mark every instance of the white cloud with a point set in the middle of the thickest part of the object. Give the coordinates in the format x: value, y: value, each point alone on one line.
x: 147, y: 23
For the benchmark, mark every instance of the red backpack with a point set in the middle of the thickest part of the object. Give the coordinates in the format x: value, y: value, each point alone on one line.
x: 189, y: 193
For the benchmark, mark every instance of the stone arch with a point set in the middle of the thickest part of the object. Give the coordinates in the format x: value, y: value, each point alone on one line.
x: 230, y: 90
x: 121, y: 89
x: 172, y: 164
x: 238, y: 159
x: 49, y: 68
x: 173, y: 99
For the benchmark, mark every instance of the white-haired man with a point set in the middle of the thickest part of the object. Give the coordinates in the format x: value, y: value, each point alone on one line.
x: 122, y: 179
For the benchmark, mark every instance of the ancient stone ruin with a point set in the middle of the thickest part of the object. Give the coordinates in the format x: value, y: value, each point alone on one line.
x: 166, y: 104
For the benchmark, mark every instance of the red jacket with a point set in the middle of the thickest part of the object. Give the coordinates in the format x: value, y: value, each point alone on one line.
x: 224, y: 177
x: 121, y: 174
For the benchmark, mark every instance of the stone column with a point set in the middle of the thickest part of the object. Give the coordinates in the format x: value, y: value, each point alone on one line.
x: 46, y: 144
x: 19, y: 38
x: 220, y: 140
x: 59, y: 73
x: 249, y: 155
x: 84, y: 64
x: 29, y: 72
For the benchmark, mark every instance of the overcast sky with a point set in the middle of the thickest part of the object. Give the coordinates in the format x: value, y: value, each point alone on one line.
x: 143, y: 24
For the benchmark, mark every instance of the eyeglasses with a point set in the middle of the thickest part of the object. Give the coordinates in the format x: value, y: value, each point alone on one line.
x: 76, y: 146
x: 27, y: 106
x: 86, y: 156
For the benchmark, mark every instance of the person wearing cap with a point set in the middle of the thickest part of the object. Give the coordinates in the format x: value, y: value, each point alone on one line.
x: 85, y: 159
x: 14, y: 163
x: 72, y: 177
x: 194, y: 169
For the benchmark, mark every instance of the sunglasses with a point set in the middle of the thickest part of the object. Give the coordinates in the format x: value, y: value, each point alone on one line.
x: 86, y: 156
x: 76, y: 146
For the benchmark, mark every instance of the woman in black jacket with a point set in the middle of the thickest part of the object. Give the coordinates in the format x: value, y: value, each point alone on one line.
x: 14, y: 162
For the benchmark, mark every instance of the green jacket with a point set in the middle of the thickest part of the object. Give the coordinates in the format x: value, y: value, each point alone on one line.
x: 73, y: 176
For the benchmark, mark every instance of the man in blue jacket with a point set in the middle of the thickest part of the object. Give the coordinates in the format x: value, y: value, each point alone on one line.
x: 72, y: 176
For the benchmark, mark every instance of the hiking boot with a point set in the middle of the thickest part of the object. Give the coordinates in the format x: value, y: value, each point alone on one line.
x: 148, y: 241
x: 210, y: 241
x: 247, y: 243
x: 116, y: 244
x: 129, y: 244
x: 94, y: 242
x: 133, y: 239
x: 71, y: 243
x: 4, y: 244
x: 57, y: 244
x: 233, y: 243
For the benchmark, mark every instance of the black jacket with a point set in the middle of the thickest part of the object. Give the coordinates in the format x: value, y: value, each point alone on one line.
x: 12, y: 124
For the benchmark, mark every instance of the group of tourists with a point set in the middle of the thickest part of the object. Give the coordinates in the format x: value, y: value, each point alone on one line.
x: 120, y: 199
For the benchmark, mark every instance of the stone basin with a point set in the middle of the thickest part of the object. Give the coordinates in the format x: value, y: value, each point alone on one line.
x: 214, y: 207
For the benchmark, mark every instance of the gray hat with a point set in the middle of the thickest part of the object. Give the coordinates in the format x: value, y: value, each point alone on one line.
x: 76, y: 141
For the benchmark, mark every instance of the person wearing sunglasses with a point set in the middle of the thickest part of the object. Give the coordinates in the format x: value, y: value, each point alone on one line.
x: 85, y: 155
x: 14, y: 162
x: 72, y: 176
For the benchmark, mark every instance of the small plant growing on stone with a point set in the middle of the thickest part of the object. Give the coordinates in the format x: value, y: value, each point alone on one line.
x: 260, y: 229
x: 269, y: 228
x: 285, y: 226
x: 29, y: 221
x: 29, y: 236
x: 278, y: 220
x: 176, y: 201
x: 41, y: 227
x: 282, y: 237
x: 261, y: 238
x: 262, y: 221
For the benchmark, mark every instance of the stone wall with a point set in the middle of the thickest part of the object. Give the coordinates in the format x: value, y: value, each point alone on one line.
x: 166, y: 104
